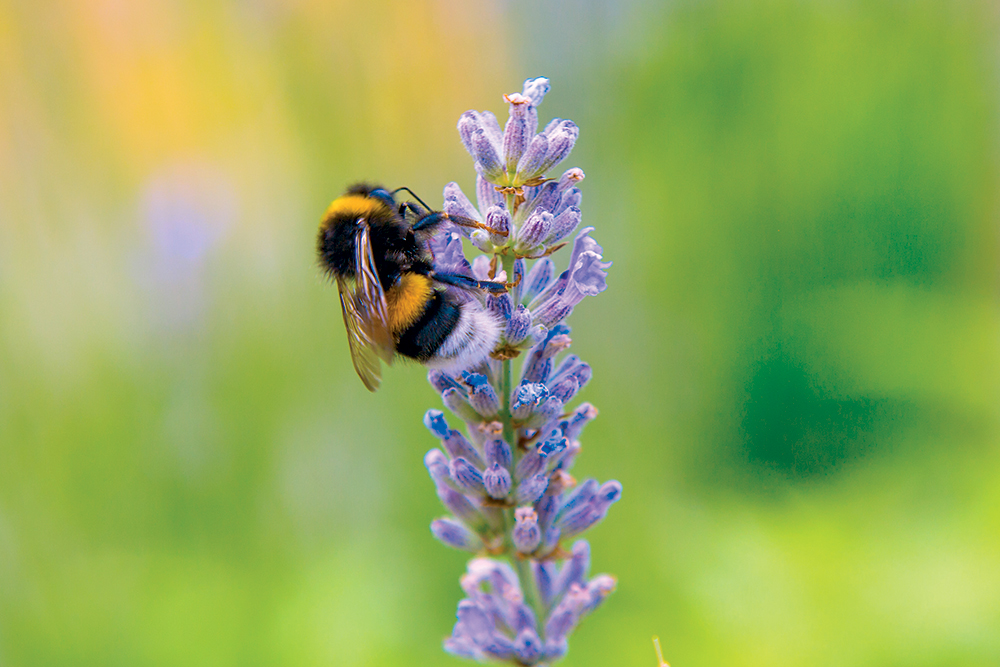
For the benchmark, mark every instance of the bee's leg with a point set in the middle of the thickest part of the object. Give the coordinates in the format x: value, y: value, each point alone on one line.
x: 465, y: 282
x: 430, y: 220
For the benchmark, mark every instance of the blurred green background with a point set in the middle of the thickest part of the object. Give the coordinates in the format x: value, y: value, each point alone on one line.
x: 796, y: 361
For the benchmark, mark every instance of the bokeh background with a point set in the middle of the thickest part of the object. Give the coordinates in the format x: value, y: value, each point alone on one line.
x: 796, y: 361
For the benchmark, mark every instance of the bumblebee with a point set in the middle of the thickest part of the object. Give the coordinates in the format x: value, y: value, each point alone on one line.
x: 393, y: 298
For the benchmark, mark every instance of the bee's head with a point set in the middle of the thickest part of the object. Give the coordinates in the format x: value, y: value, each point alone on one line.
x: 375, y: 192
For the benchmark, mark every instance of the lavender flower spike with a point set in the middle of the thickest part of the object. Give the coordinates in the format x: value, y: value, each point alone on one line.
x: 506, y: 481
x: 496, y: 608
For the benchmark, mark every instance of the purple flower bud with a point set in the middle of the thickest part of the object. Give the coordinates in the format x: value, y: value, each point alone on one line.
x: 567, y: 613
x: 500, y: 306
x: 531, y: 489
x: 539, y: 363
x: 553, y: 450
x: 541, y: 457
x: 462, y: 508
x: 498, y: 453
x: 553, y: 312
x: 579, y: 498
x: 482, y: 396
x: 458, y: 446
x: 572, y: 375
x: 563, y: 225
x: 456, y: 535
x: 573, y: 425
x: 449, y: 255
x: 526, y: 534
x: 498, y: 220
x: 483, y: 432
x: 547, y: 507
x: 586, y: 277
x: 518, y: 326
x: 556, y: 649
x: 486, y: 155
x: 441, y: 380
x: 536, y: 228
x: 521, y: 127
x: 499, y: 647
x: 480, y: 134
x: 560, y: 135
x: 519, y: 617
x: 497, y: 481
x: 464, y: 647
x: 571, y: 365
x: 574, y: 571
x: 533, y: 160
x: 569, y: 199
x: 530, y: 464
x: 538, y: 278
x: 528, y: 647
x: 477, y: 622
x: 570, y: 178
x: 467, y: 476
x: 559, y: 481
x: 468, y: 123
x: 456, y: 203
x: 526, y: 397
x: 599, y: 588
x: 550, y: 541
x: 545, y: 576
x: 551, y: 291
x: 582, y: 517
x: 458, y: 404
x: 481, y: 239
x: 435, y: 422
x: 582, y: 245
x: 547, y: 411
x: 565, y: 389
x: 437, y: 466
x: 545, y: 197
x: 535, y: 89
x: 487, y: 195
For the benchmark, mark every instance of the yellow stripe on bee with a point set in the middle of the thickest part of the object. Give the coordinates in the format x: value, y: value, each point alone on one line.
x: 354, y: 206
x: 407, y: 300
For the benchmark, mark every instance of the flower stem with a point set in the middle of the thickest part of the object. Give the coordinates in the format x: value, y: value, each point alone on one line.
x: 511, y: 434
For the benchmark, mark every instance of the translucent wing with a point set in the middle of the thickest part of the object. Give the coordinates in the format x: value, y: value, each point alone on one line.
x: 371, y: 296
x: 366, y: 315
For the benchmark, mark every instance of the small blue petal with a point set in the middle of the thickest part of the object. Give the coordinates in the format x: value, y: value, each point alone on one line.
x: 434, y: 420
x: 535, y: 89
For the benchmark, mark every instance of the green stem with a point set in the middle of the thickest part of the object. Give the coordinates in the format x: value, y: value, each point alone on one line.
x: 511, y: 435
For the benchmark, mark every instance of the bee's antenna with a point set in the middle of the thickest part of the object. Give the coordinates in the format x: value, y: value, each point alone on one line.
x: 393, y: 193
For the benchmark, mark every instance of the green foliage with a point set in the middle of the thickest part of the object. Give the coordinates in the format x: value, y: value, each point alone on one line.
x: 803, y: 411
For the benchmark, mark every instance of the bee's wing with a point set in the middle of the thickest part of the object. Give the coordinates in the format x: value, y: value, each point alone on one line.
x: 366, y: 315
x: 371, y: 297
